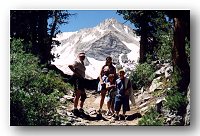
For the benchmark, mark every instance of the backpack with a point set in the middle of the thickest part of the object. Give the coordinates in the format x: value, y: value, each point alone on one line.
x: 131, y: 93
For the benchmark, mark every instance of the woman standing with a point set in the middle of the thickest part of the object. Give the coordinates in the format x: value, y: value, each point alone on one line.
x: 107, y: 69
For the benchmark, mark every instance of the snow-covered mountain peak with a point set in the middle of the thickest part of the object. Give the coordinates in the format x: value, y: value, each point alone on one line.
x: 109, y: 38
x: 108, y: 22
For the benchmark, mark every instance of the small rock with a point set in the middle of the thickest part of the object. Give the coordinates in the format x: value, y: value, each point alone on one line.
x: 142, y: 90
x: 79, y: 124
x: 79, y: 120
x: 63, y: 107
x: 70, y: 119
x: 68, y: 97
x: 156, y: 84
x: 146, y: 98
x: 62, y: 112
x: 70, y: 114
x: 112, y: 121
x: 144, y: 109
x: 62, y: 100
x: 168, y: 72
x: 142, y: 105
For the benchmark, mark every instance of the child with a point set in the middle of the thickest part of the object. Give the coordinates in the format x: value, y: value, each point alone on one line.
x: 122, y: 95
x: 111, y: 92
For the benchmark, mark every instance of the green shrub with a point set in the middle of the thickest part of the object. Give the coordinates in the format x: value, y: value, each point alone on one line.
x: 143, y: 75
x: 151, y: 118
x: 175, y: 100
x: 34, y: 95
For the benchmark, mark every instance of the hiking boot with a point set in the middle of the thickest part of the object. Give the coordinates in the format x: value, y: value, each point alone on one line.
x: 99, y: 111
x: 115, y: 117
x: 76, y: 112
x: 122, y: 117
x: 81, y: 110
x: 99, y: 116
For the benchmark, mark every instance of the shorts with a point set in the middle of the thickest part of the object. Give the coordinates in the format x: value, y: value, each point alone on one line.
x: 101, y: 87
x: 122, y: 100
x: 78, y: 83
x: 111, y: 95
x: 83, y: 96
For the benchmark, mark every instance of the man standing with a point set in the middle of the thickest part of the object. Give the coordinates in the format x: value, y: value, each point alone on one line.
x: 78, y: 69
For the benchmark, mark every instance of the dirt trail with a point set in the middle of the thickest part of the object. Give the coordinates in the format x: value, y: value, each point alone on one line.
x: 91, y: 105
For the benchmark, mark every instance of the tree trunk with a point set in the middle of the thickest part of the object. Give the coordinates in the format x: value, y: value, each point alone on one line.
x: 179, y: 55
x: 142, y: 50
x: 143, y: 43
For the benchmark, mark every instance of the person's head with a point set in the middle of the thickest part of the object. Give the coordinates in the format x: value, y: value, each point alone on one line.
x: 121, y: 74
x: 106, y: 70
x: 111, y: 77
x: 109, y: 61
x: 81, y: 56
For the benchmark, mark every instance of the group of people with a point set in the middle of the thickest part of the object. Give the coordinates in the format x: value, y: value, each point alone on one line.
x: 112, y: 84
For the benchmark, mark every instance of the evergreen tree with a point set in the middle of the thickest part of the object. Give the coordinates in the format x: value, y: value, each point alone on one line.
x: 147, y: 23
x: 181, y: 32
x: 37, y: 31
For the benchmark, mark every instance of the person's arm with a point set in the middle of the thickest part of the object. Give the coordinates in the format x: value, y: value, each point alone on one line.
x: 100, y: 76
x: 109, y: 86
x: 73, y: 68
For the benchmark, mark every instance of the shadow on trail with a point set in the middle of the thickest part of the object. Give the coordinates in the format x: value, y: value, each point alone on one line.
x: 133, y: 116
x: 90, y: 118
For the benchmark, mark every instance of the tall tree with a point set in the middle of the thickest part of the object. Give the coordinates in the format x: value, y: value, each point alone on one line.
x: 33, y: 27
x: 150, y: 24
x: 181, y: 32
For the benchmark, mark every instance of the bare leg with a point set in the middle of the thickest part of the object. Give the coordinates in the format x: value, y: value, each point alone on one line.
x: 81, y: 104
x: 76, y: 98
x: 112, y: 107
x: 103, y: 94
x: 83, y: 97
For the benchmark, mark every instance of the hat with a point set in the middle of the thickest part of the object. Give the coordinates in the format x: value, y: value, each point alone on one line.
x: 81, y: 54
x: 121, y: 70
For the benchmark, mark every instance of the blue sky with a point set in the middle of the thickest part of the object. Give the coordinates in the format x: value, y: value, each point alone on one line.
x: 90, y: 18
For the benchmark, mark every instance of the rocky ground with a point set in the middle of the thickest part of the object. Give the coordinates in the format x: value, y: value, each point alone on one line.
x: 151, y: 96
x: 143, y: 100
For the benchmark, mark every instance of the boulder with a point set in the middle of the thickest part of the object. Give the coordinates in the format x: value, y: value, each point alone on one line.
x: 156, y: 84
x: 187, y: 116
x: 159, y: 104
x: 168, y: 71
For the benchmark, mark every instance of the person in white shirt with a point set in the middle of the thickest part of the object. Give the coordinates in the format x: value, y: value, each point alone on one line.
x: 78, y: 69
